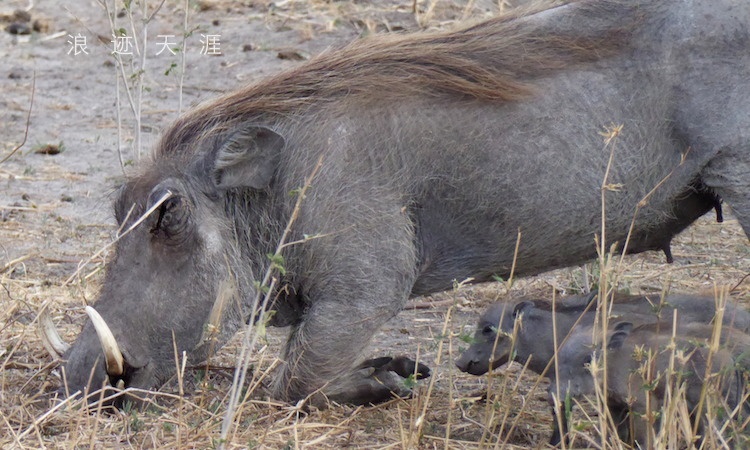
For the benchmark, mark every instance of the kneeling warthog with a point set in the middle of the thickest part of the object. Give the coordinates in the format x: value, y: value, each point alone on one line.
x: 647, y: 363
x: 429, y: 152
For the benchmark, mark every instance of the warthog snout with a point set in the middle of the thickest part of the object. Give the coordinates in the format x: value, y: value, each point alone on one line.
x: 470, y: 363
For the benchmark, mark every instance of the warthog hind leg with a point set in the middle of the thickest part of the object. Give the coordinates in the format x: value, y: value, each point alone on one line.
x: 729, y: 175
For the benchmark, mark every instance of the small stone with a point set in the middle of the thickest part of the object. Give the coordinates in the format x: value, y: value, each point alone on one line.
x: 18, y: 28
x: 291, y: 55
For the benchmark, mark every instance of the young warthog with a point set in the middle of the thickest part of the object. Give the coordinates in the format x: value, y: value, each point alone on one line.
x: 643, y: 367
x: 499, y: 336
x: 494, y: 338
x: 430, y: 152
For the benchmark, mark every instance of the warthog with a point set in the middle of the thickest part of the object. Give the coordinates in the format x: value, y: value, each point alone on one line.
x: 496, y: 339
x: 432, y: 151
x: 631, y: 389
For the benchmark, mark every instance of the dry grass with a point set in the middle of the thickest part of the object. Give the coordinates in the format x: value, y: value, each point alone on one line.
x: 445, y: 413
x: 41, y: 250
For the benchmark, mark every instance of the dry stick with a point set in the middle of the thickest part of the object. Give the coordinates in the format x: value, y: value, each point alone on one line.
x: 610, y: 138
x: 416, y: 419
x: 183, y: 58
x: 424, y: 305
x: 742, y: 280
x: 517, y: 324
x: 402, y: 433
x: 449, y: 423
x: 12, y: 431
x: 142, y: 70
x: 736, y: 414
x: 180, y: 379
x: 424, y: 18
x: 39, y: 208
x: 489, y: 411
x: 255, y: 384
x: 18, y: 260
x: 558, y: 418
x: 420, y: 422
x: 28, y: 120
x: 669, y: 395
x: 118, y: 114
x: 118, y: 60
x: 138, y: 81
x: 603, y: 417
x: 44, y: 416
x: 509, y: 284
x: 242, y: 360
x: 720, y: 299
x: 515, y: 259
x: 145, y: 215
x: 110, y: 16
x: 135, y: 105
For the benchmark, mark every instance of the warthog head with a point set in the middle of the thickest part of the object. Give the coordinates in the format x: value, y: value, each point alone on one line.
x: 493, y: 340
x: 172, y: 285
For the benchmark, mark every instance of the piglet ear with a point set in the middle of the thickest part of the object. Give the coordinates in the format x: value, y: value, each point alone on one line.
x: 248, y: 158
x: 592, y: 296
x: 522, y: 307
x: 622, y: 331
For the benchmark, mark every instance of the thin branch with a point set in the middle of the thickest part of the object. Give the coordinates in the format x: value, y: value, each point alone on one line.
x: 28, y: 120
x: 269, y: 281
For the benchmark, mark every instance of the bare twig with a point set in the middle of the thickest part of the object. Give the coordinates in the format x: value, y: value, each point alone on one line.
x: 28, y: 121
x: 243, y: 361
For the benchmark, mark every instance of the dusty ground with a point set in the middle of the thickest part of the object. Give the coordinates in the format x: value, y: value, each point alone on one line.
x: 55, y: 213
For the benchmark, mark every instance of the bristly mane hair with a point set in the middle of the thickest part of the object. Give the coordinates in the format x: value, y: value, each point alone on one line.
x: 493, y: 61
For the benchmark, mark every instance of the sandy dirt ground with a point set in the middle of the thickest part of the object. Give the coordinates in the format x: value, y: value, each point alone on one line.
x: 55, y: 213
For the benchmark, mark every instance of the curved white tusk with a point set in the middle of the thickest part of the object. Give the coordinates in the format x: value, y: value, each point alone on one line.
x: 112, y: 355
x: 51, y: 339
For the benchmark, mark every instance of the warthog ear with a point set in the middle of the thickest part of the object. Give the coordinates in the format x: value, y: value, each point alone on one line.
x: 248, y: 158
x: 622, y: 331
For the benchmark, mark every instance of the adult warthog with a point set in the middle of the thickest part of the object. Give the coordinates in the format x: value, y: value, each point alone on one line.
x: 436, y: 149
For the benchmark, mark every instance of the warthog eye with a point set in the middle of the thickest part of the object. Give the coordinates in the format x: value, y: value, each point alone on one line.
x: 172, y: 217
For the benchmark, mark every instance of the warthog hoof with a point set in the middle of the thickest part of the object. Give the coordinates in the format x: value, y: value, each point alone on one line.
x: 377, y: 380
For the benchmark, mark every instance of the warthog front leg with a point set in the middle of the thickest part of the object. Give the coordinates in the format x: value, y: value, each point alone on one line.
x: 354, y: 293
x: 376, y: 380
x: 320, y: 354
